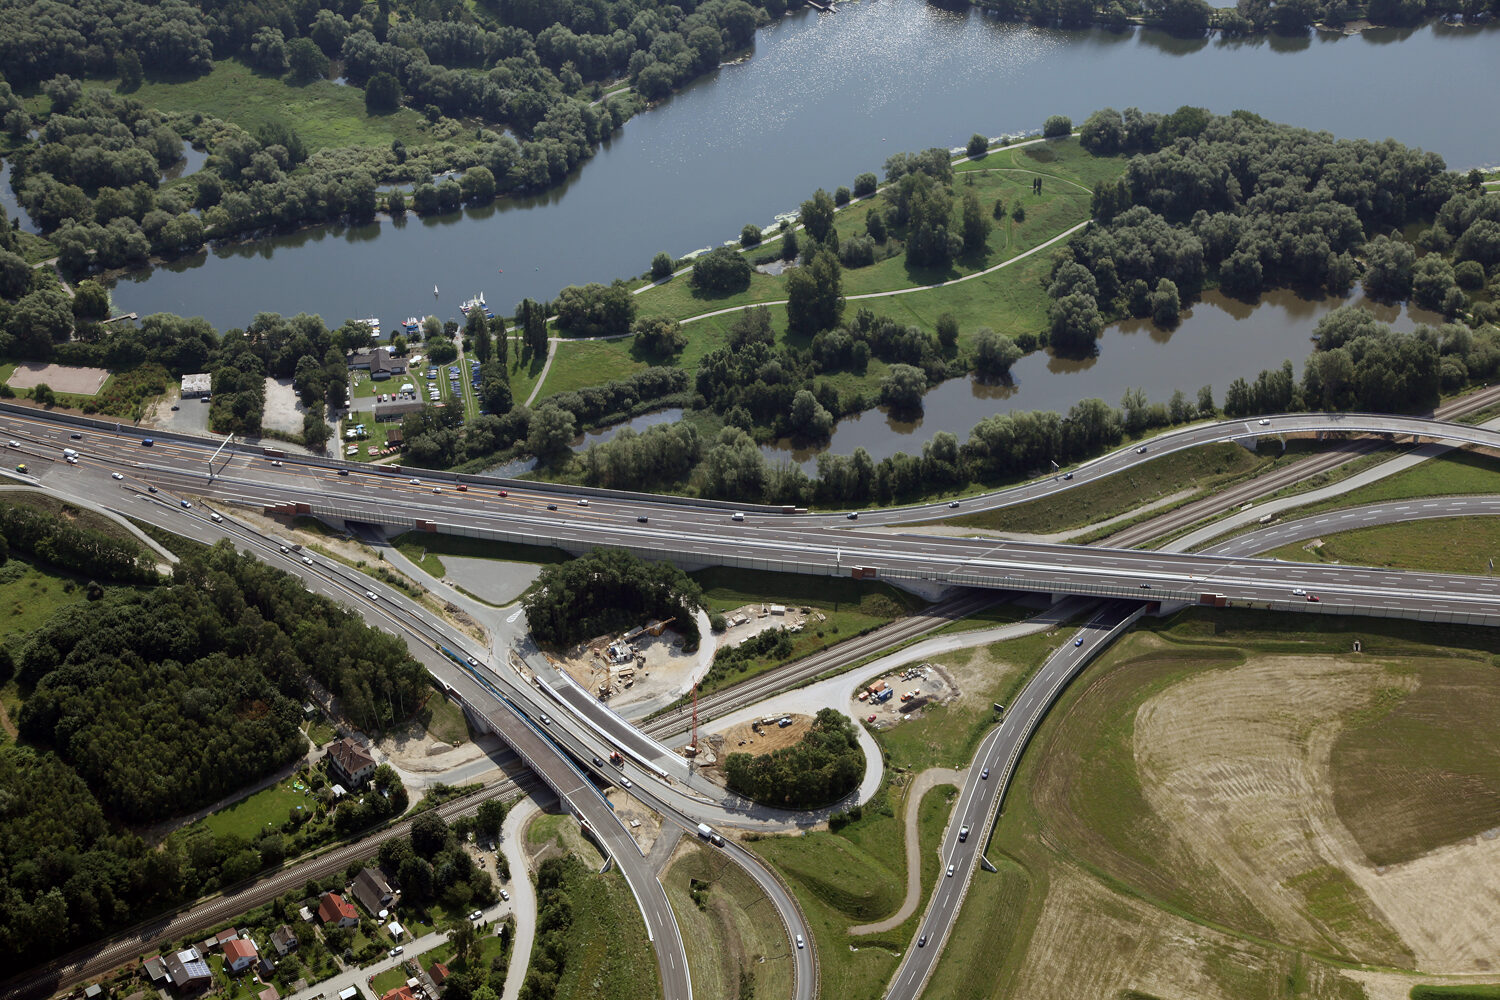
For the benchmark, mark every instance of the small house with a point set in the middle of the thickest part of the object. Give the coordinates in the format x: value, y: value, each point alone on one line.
x: 187, y: 970
x: 240, y: 954
x: 283, y: 940
x: 372, y: 891
x: 351, y: 763
x: 334, y: 909
x: 156, y: 973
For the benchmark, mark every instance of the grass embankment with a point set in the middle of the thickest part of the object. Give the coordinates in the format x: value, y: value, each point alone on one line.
x: 554, y: 834
x: 442, y: 719
x: 324, y: 114
x: 1010, y: 300
x: 1173, y: 796
x: 736, y: 946
x: 1456, y: 473
x: 426, y: 549
x: 78, y: 517
x: 1182, y: 476
x: 851, y: 607
x: 857, y: 876
x: 1441, y: 545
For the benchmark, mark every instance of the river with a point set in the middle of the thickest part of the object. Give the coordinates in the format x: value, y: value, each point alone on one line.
x: 823, y: 98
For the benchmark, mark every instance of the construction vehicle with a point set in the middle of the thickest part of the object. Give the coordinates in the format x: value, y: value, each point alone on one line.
x: 883, y: 696
x: 617, y: 759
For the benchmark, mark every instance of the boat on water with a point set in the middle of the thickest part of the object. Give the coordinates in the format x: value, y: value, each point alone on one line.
x: 412, y: 324
x: 477, y: 302
x: 372, y: 323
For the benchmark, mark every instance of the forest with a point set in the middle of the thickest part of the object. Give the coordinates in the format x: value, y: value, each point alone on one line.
x: 607, y: 591
x: 144, y: 703
x: 530, y: 75
x: 822, y: 768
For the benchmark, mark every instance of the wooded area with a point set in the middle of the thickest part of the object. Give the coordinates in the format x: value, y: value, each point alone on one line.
x: 609, y: 590
x: 822, y: 768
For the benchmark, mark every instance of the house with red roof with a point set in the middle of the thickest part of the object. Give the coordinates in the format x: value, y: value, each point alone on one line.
x: 334, y: 909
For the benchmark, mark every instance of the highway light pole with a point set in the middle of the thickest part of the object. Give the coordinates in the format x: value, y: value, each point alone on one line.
x: 227, y: 442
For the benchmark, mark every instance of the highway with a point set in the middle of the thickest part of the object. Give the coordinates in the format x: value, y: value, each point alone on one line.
x: 706, y: 532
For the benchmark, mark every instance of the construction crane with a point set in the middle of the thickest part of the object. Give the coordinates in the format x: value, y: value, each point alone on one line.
x: 692, y: 747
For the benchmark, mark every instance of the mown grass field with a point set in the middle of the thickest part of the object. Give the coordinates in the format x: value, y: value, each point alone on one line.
x: 266, y: 809
x: 1457, y: 473
x: 323, y: 113
x: 560, y: 833
x: 1442, y: 545
x: 1411, y: 771
x: 734, y: 934
x: 29, y: 596
x: 442, y: 719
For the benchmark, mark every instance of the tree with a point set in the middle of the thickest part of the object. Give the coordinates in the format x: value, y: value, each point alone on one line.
x: 659, y: 335
x: 268, y: 51
x: 750, y: 236
x: 477, y: 187
x: 477, y: 335
x: 902, y: 388
x: 661, y: 266
x: 994, y: 354
x: 489, y: 818
x: 1388, y: 268
x: 463, y: 936
x: 1019, y: 212
x: 808, y: 418
x: 978, y: 146
x: 722, y: 271
x: 865, y: 184
x: 789, y: 245
x: 306, y: 60
x: 429, y: 833
x: 128, y: 69
x: 42, y: 394
x: 1057, y: 126
x: 1165, y: 305
x: 1103, y: 133
x: 815, y: 297
x: 1075, y: 323
x: 91, y: 300
x: 551, y: 432
x: 1206, y: 408
x: 382, y: 94
x: 817, y: 215
x: 976, y: 228
x: 947, y: 331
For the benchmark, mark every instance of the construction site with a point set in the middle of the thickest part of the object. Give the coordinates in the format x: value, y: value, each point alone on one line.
x: 894, y: 698
x: 644, y: 663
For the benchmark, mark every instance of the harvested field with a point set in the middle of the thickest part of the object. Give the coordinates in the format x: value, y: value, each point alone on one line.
x: 58, y: 378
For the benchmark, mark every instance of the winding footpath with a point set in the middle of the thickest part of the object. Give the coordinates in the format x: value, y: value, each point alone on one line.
x: 924, y: 783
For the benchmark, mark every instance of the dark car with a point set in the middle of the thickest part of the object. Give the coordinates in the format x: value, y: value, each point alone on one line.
x: 343, y: 472
x: 922, y: 941
x: 1141, y: 450
x: 1067, y: 475
x: 642, y: 519
x: 76, y: 436
x: 1078, y: 641
x: 552, y: 506
x: 852, y: 515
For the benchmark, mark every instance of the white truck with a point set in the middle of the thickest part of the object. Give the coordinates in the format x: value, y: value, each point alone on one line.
x: 707, y: 833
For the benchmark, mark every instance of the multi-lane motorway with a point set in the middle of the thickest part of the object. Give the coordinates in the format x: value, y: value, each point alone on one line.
x: 708, y: 533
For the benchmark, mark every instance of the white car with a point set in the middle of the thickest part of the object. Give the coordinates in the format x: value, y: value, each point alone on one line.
x: 307, y: 560
x: 799, y: 942
x: 415, y: 481
x: 1264, y: 422
x: 371, y: 595
x: 505, y: 895
x: 14, y: 443
x: 115, y: 475
x: 1298, y: 592
x: 950, y: 871
x: 216, y: 517
x: 476, y: 914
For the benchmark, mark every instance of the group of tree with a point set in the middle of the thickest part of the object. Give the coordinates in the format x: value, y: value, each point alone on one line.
x: 1249, y: 205
x: 823, y: 767
x: 149, y: 701
x: 59, y: 542
x: 610, y: 590
x: 432, y: 867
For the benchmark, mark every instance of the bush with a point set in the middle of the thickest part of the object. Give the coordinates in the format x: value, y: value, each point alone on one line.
x: 865, y: 184
x: 979, y: 145
x: 661, y: 266
x: 1057, y: 126
x: 859, y: 251
x: 750, y: 236
x: 841, y: 196
x: 722, y: 271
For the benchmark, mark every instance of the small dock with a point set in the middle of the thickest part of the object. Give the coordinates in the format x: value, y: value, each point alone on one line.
x: 115, y: 319
x: 827, y: 8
